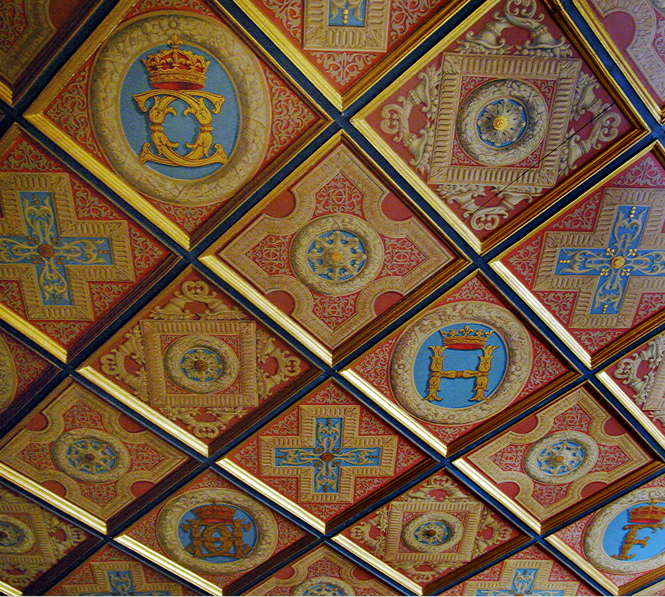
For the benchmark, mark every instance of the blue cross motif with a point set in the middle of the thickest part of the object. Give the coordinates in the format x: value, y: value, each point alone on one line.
x: 327, y: 456
x: 616, y: 263
x: 523, y: 582
x: 121, y: 582
x: 48, y: 252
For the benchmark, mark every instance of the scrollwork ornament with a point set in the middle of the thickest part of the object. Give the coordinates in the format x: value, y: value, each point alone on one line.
x: 7, y: 376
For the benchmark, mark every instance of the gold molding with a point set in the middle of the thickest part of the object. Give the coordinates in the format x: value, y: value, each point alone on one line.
x: 231, y: 467
x: 589, y: 360
x: 55, y: 500
x: 9, y: 590
x: 380, y: 565
x: 650, y: 102
x: 144, y: 409
x: 169, y: 565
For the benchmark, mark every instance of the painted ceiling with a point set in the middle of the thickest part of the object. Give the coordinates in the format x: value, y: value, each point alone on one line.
x: 332, y: 297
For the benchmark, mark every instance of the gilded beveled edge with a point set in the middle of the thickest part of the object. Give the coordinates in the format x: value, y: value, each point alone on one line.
x: 658, y: 110
x: 571, y: 182
x: 390, y: 59
x: 35, y: 115
x: 589, y: 360
x: 332, y: 356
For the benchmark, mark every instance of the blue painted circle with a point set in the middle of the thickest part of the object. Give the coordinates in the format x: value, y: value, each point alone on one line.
x: 615, y: 533
x: 457, y: 392
x: 336, y: 255
x: 441, y: 529
x: 11, y: 535
x: 102, y: 456
x: 561, y: 458
x: 218, y: 535
x: 179, y: 128
x: 516, y: 119
x: 324, y: 588
x: 214, y: 364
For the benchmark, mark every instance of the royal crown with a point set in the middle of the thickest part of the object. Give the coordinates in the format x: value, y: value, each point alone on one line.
x: 214, y: 513
x: 175, y: 68
x: 650, y: 514
x: 465, y: 338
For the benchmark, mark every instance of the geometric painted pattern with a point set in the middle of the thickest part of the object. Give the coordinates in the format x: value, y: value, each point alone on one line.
x: 341, y: 241
x: 326, y: 454
x: 567, y: 453
x: 112, y: 572
x: 484, y: 152
x: 66, y: 255
x: 198, y: 360
x: 430, y: 535
x: 595, y: 271
x: 82, y: 449
x: 321, y: 572
x: 32, y: 540
x: 529, y: 572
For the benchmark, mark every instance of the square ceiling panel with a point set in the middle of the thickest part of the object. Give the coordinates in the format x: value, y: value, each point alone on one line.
x: 198, y: 365
x: 336, y: 249
x: 567, y: 456
x: 596, y: 273
x: 183, y: 173
x: 499, y: 118
x: 461, y: 367
x: 328, y: 455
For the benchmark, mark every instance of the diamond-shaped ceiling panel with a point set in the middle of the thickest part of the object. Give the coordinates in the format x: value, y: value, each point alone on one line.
x: 332, y: 296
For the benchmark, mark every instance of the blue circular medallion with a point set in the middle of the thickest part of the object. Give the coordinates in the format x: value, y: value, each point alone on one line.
x: 201, y: 364
x: 560, y: 458
x: 91, y: 456
x: 460, y: 365
x: 501, y: 122
x: 11, y: 535
x: 324, y: 588
x: 434, y: 532
x: 636, y: 533
x: 336, y: 255
x: 176, y: 126
x: 217, y: 533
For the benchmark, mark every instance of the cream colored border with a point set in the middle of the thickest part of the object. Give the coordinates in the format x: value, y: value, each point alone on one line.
x: 169, y: 565
x: 228, y: 465
x: 380, y: 565
x: 9, y: 590
x: 530, y: 299
x: 55, y: 500
x: 143, y: 409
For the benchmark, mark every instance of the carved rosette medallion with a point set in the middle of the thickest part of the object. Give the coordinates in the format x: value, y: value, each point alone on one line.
x: 461, y: 363
x: 323, y: 585
x: 432, y: 533
x: 628, y: 535
x: 501, y: 122
x: 201, y: 364
x: 216, y: 531
x: 173, y: 99
x: 561, y: 457
x: 338, y: 254
x: 7, y: 376
x: 91, y: 455
x: 16, y: 537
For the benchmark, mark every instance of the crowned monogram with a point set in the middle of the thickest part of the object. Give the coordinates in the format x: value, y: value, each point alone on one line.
x: 178, y: 74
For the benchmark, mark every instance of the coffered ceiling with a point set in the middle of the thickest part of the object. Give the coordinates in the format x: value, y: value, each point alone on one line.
x: 332, y: 297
